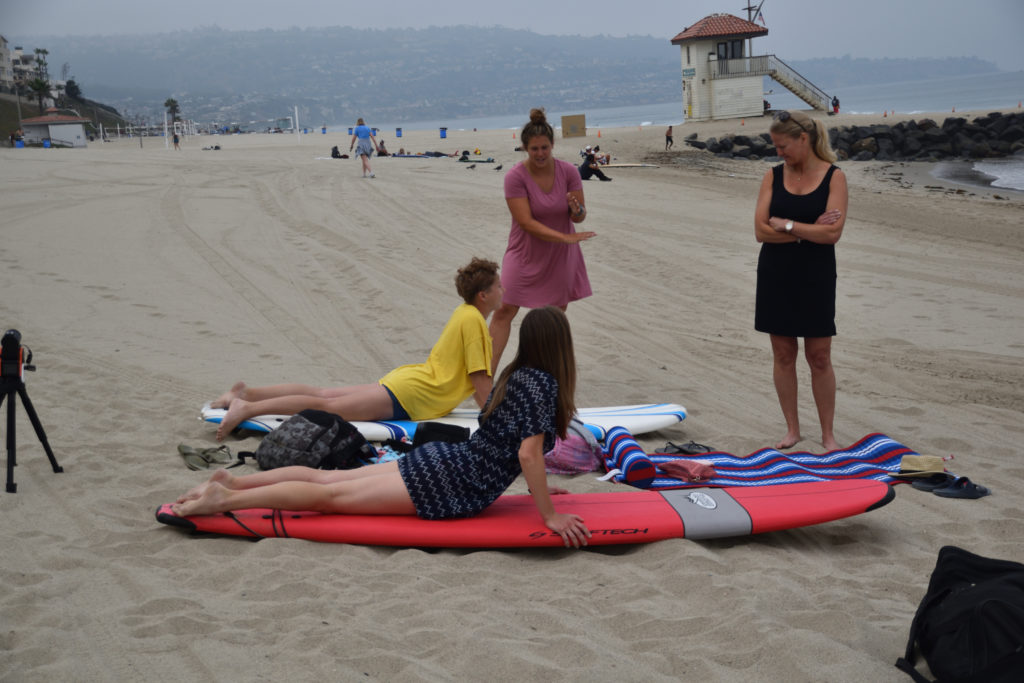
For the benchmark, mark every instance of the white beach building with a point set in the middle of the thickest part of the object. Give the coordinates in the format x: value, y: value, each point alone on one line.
x: 60, y: 130
x: 722, y: 80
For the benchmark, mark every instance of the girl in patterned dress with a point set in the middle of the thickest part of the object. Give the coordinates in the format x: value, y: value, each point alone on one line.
x: 531, y: 403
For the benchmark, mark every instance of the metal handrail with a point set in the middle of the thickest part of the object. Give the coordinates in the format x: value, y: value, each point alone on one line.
x: 765, y: 65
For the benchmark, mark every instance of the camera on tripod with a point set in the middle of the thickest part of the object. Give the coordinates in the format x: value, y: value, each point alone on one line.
x: 13, y: 361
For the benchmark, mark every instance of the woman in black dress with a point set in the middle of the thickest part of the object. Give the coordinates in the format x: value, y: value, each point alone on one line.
x: 531, y: 402
x: 801, y: 210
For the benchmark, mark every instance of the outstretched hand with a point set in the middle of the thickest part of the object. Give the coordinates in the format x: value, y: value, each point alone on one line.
x: 576, y: 237
x: 570, y: 527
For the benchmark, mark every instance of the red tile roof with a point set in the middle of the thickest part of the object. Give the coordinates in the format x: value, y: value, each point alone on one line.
x: 720, y: 26
x: 54, y: 118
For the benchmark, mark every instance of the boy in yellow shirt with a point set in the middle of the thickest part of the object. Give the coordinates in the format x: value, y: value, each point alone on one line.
x: 459, y: 366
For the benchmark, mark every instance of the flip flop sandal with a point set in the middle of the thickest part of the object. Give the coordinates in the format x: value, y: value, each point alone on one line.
x: 688, y: 448
x: 962, y: 487
x: 204, y: 458
x: 932, y: 482
x: 193, y: 460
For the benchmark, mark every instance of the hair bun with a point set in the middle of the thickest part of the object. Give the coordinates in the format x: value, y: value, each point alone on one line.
x: 537, y: 116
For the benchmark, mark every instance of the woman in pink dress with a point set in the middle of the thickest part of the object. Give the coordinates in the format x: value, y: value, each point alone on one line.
x: 543, y: 264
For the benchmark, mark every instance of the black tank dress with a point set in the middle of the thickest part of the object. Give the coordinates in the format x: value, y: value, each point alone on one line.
x: 796, y: 281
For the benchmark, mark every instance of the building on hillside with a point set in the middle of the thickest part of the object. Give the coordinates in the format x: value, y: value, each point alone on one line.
x: 59, y: 130
x: 6, y: 68
x: 722, y: 80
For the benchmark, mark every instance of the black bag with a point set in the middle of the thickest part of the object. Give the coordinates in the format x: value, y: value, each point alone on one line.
x: 439, y: 431
x: 970, y: 624
x: 314, y: 438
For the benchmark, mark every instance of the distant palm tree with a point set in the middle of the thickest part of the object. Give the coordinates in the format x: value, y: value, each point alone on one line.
x: 172, y: 108
x: 40, y: 89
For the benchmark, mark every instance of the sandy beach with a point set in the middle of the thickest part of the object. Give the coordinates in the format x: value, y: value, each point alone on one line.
x: 146, y: 281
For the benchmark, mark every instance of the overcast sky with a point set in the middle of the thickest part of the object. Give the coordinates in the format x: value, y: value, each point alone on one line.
x: 798, y: 29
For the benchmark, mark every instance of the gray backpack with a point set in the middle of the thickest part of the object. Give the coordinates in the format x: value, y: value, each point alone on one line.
x: 317, y: 439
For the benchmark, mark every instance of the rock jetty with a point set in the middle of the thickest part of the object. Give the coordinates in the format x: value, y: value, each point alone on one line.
x: 992, y: 135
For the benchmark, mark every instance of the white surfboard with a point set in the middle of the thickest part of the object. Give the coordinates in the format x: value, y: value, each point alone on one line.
x: 638, y: 419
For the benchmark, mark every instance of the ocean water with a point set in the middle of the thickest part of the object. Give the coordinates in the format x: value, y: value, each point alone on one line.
x: 936, y: 98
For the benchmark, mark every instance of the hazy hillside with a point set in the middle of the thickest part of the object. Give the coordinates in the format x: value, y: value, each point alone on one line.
x: 336, y: 74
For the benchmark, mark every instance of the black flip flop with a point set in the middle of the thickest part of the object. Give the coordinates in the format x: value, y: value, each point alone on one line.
x: 932, y: 481
x: 962, y: 487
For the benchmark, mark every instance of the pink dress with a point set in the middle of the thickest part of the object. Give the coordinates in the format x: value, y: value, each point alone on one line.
x: 536, y: 273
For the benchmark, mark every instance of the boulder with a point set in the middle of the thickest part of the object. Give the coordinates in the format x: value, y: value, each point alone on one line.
x: 864, y: 144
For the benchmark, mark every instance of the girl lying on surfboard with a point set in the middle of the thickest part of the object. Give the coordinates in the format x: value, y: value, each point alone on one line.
x: 459, y: 366
x: 532, y: 401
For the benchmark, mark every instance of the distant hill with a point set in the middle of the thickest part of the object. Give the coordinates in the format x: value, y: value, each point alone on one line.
x: 337, y: 74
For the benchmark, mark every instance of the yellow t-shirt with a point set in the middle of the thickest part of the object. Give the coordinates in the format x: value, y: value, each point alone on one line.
x: 432, y: 389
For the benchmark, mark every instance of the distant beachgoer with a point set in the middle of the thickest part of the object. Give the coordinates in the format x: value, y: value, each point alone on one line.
x: 668, y: 139
x: 367, y: 144
x: 602, y: 158
x: 381, y: 150
x: 176, y: 141
x: 590, y: 168
x: 532, y: 403
x: 459, y: 366
x: 801, y: 210
x: 543, y: 264
x: 835, y: 104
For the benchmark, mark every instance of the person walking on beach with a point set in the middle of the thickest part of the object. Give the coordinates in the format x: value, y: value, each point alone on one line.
x: 367, y: 145
x: 532, y: 402
x: 543, y: 263
x: 668, y: 139
x: 800, y: 214
x: 835, y: 104
x: 176, y: 141
x: 459, y: 366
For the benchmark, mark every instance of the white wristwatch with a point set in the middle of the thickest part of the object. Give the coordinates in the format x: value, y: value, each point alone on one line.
x: 789, y: 226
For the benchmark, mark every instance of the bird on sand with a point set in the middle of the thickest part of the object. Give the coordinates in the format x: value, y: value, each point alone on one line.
x: 498, y: 167
x: 471, y: 166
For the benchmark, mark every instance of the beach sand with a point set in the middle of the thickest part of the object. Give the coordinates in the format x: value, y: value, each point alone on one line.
x: 146, y: 281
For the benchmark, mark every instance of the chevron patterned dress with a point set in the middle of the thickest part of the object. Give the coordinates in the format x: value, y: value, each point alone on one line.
x: 447, y: 480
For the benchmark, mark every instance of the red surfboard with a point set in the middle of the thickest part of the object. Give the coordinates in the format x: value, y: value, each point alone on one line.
x: 613, y: 518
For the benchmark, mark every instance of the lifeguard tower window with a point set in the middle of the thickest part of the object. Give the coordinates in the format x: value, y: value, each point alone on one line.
x: 732, y: 49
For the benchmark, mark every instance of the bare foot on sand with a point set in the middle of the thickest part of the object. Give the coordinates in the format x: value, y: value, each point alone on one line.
x: 232, y: 418
x: 789, y: 440
x: 237, y: 391
x: 830, y: 444
x: 222, y: 477
x: 213, y: 499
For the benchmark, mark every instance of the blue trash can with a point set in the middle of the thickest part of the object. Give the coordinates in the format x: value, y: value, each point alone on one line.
x: 350, y: 131
x: 324, y: 130
x: 46, y: 144
x: 18, y: 144
x: 444, y: 133
x: 398, y: 132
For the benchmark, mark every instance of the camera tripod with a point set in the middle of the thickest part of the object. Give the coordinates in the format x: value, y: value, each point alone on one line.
x: 11, y: 386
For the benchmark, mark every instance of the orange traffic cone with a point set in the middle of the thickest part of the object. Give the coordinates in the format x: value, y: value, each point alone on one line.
x: 743, y: 122
x: 599, y: 133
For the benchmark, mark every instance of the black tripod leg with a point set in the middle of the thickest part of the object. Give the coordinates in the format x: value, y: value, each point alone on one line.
x: 11, y: 440
x: 38, y: 426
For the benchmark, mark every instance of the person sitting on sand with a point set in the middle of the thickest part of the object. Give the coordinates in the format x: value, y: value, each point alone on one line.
x: 532, y: 402
x: 459, y: 365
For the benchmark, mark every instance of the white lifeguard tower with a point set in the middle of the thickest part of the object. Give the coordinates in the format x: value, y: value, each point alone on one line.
x: 722, y: 81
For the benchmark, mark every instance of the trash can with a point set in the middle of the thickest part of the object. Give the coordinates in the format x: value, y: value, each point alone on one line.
x: 324, y: 130
x: 19, y: 144
x: 350, y: 131
x: 46, y: 144
x: 398, y: 132
x: 444, y: 133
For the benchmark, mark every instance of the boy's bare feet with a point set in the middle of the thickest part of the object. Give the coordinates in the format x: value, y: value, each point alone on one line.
x: 232, y: 418
x: 213, y: 499
x: 237, y: 391
x: 830, y: 444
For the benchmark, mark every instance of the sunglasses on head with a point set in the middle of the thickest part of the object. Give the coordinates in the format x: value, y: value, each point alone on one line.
x: 786, y: 116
